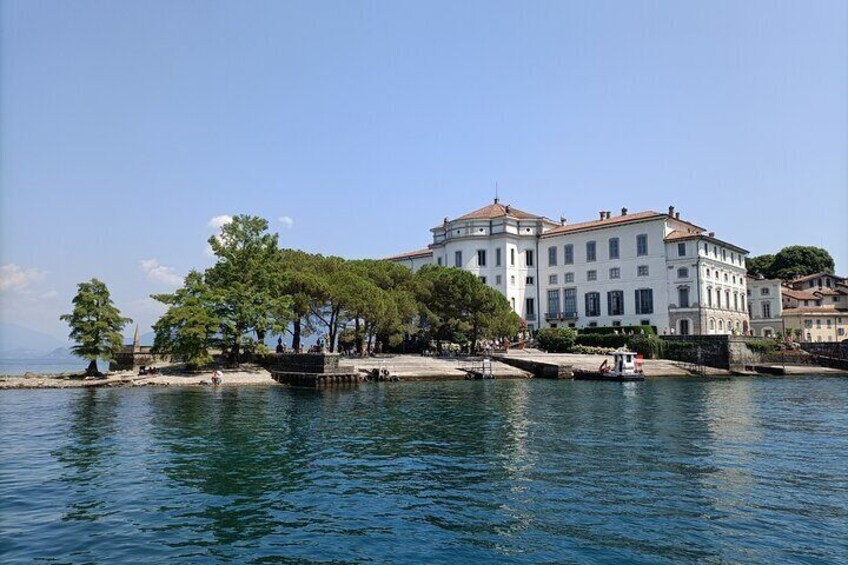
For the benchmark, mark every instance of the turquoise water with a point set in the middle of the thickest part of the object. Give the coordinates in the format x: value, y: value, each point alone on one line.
x: 665, y: 471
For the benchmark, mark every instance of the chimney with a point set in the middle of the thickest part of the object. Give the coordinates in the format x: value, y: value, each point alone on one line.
x: 562, y: 220
x: 602, y: 213
x: 711, y: 234
x: 671, y: 211
x: 677, y: 215
x: 624, y: 211
x: 506, y: 208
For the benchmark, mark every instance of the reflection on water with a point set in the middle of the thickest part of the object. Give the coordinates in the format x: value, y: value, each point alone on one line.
x: 666, y: 471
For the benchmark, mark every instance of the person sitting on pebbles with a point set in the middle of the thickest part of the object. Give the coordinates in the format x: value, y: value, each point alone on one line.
x: 217, y: 376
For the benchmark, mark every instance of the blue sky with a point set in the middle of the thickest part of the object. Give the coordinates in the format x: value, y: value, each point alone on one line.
x: 128, y: 126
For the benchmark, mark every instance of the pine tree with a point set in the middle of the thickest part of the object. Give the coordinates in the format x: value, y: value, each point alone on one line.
x: 95, y: 323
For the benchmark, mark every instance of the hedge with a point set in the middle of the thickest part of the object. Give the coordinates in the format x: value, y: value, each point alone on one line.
x: 602, y: 340
x: 556, y: 340
x: 636, y: 330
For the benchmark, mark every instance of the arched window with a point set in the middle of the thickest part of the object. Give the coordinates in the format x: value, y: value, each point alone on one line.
x: 720, y: 326
x: 712, y: 324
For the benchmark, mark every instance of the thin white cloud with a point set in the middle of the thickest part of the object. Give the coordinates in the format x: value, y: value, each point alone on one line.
x: 159, y: 273
x: 287, y: 221
x: 220, y: 221
x: 19, y: 279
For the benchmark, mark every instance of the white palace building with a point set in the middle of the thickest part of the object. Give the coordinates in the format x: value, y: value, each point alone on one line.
x: 633, y: 268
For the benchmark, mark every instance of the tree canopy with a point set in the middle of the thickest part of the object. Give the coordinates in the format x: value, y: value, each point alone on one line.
x: 791, y: 262
x: 96, y: 324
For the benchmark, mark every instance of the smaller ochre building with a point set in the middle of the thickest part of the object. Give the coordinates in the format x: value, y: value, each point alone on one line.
x: 643, y: 268
x: 815, y: 307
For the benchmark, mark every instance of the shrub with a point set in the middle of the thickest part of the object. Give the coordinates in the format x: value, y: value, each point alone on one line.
x: 650, y: 346
x: 631, y: 330
x: 602, y: 340
x: 556, y: 340
x: 763, y: 346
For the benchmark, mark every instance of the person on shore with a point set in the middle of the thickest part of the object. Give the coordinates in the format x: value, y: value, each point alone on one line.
x: 217, y: 376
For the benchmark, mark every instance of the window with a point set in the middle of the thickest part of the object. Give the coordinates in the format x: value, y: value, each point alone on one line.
x: 718, y: 298
x: 591, y: 275
x: 681, y: 250
x: 529, y: 280
x: 528, y: 257
x: 457, y: 259
x: 766, y: 309
x: 682, y: 273
x: 512, y: 280
x: 498, y: 257
x: 569, y: 301
x: 568, y: 259
x: 724, y: 254
x: 552, y: 256
x: 552, y: 279
x: 706, y: 249
x: 644, y: 301
x: 481, y: 257
x: 590, y: 251
x: 715, y: 254
x: 764, y: 292
x: 712, y: 323
x: 616, y: 323
x: 593, y: 304
x: 512, y: 257
x: 568, y: 278
x: 439, y: 261
x: 727, y: 299
x: 735, y: 301
x: 482, y: 279
x: 553, y: 302
x: 642, y: 244
x: 642, y: 271
x: 708, y: 273
x: 512, y: 303
x: 498, y: 280
x: 613, y: 248
x: 818, y: 323
x: 644, y: 322
x: 725, y: 277
x: 615, y: 273
x: 530, y: 309
x: 683, y: 297
x: 615, y: 303
x: 709, y: 297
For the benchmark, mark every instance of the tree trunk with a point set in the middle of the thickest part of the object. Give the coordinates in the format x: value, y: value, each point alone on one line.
x: 358, y: 336
x: 92, y: 368
x: 296, y: 335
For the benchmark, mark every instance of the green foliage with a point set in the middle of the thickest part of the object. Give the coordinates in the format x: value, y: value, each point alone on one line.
x: 243, y: 284
x: 650, y: 346
x: 647, y: 330
x: 456, y: 306
x: 96, y: 324
x: 763, y: 346
x: 760, y: 265
x: 187, y: 329
x: 602, y: 340
x: 791, y: 262
x: 556, y: 340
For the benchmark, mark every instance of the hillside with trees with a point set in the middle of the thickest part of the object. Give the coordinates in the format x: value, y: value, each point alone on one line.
x: 791, y: 262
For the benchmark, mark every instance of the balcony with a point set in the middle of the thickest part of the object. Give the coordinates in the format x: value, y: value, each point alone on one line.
x: 561, y: 316
x: 531, y: 317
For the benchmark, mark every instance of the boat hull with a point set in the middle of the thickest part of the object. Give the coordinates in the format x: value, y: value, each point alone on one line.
x: 598, y: 376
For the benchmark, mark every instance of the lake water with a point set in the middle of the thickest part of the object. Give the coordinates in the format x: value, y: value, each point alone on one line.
x: 749, y: 470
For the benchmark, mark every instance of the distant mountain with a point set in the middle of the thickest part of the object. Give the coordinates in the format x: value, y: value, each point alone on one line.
x: 18, y: 342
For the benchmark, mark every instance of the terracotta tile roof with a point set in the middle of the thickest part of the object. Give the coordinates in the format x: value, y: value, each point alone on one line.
x: 411, y: 254
x: 815, y: 276
x: 498, y: 210
x: 798, y: 294
x: 811, y: 310
x: 680, y: 234
x: 613, y: 221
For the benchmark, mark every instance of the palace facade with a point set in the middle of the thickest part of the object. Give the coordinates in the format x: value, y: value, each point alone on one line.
x: 629, y: 269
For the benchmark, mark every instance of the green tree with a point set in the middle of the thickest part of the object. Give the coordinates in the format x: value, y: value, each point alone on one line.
x: 187, y: 329
x: 96, y: 324
x: 556, y: 340
x: 760, y: 265
x: 799, y: 260
x: 457, y: 306
x: 299, y: 278
x: 243, y: 284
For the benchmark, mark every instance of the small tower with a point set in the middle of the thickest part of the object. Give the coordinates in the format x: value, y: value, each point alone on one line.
x: 136, y: 347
